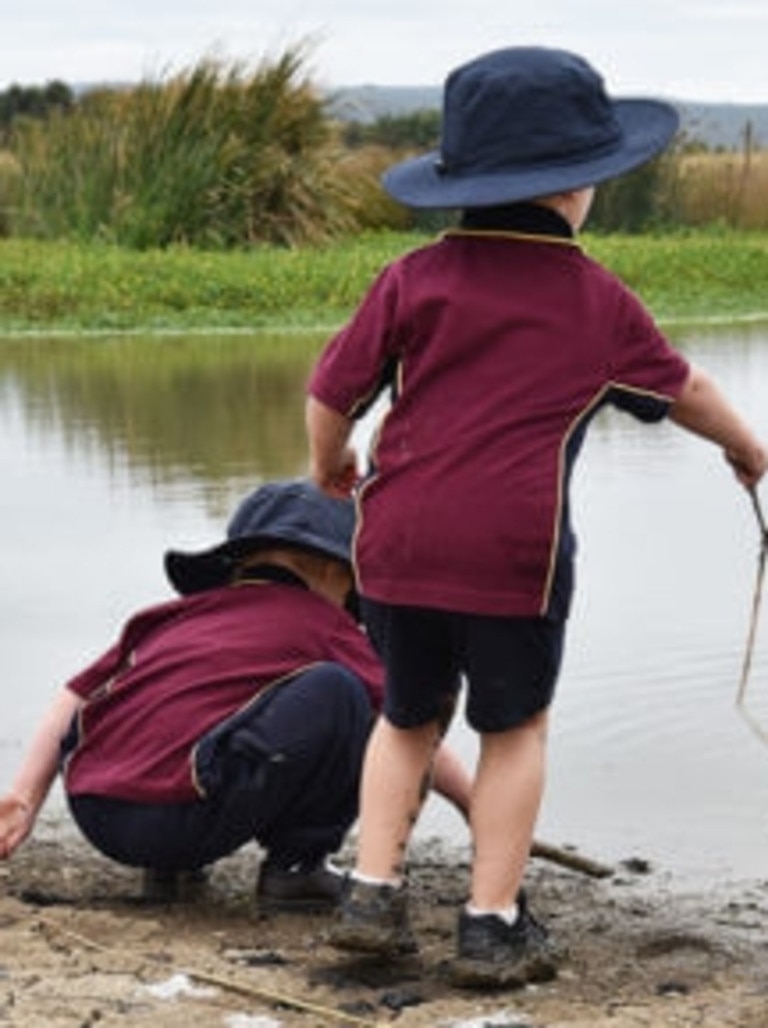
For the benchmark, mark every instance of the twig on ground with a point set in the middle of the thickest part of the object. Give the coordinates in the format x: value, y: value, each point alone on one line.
x: 570, y: 859
x: 328, y: 1014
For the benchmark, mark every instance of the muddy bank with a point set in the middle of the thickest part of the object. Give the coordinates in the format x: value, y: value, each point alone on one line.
x: 80, y: 948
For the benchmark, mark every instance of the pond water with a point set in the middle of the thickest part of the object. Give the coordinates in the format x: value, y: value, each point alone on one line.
x: 115, y: 449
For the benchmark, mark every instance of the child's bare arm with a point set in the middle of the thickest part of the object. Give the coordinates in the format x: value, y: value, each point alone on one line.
x: 333, y: 463
x: 19, y: 807
x: 702, y: 408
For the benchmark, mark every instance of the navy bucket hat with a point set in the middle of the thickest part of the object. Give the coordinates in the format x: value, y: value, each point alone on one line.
x: 527, y: 122
x: 293, y: 512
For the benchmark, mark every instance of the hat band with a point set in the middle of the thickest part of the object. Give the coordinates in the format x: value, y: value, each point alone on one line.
x: 507, y: 163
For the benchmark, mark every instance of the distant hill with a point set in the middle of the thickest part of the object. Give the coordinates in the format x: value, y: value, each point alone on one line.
x: 725, y: 125
x: 715, y: 125
x: 369, y: 103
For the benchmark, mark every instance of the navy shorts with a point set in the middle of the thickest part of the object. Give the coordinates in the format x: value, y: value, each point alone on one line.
x: 510, y: 664
x: 285, y: 773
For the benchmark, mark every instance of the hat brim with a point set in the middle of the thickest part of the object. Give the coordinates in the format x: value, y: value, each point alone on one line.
x: 648, y: 126
x: 210, y: 569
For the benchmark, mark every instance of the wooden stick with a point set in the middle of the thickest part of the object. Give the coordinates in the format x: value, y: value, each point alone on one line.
x: 573, y: 861
x: 281, y: 999
x: 741, y: 695
x: 246, y: 989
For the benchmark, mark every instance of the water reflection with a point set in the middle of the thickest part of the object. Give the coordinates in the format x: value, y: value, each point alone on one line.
x: 112, y: 450
x: 162, y: 410
x: 208, y: 409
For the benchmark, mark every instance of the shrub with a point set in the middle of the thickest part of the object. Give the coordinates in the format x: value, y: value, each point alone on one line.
x: 10, y: 181
x: 215, y: 156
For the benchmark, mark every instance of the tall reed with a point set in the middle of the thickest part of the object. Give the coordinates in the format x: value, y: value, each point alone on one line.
x: 217, y: 155
x: 725, y: 188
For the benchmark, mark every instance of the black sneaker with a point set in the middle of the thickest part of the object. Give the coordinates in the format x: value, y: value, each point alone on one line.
x: 298, y: 891
x: 494, y: 954
x: 373, y: 919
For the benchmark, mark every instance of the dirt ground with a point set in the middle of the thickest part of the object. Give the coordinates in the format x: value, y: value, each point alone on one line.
x: 78, y: 947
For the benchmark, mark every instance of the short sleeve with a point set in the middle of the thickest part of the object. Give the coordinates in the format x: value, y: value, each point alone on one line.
x: 647, y: 372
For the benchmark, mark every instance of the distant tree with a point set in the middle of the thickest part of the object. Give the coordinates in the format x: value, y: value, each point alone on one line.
x: 637, y: 202
x: 417, y: 131
x: 34, y: 101
x: 58, y: 95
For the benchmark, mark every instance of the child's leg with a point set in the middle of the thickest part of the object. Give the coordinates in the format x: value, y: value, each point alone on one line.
x: 504, y: 806
x: 396, y: 776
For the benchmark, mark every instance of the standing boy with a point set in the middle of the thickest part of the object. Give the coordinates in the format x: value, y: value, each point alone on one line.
x: 500, y: 342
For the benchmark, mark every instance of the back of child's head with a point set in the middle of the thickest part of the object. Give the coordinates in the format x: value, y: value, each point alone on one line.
x: 292, y: 513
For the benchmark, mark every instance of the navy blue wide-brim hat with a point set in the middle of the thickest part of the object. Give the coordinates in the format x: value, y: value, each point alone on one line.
x: 527, y: 122
x: 293, y: 512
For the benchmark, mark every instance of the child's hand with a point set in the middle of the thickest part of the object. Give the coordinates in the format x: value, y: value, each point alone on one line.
x: 341, y: 480
x: 332, y: 461
x: 346, y: 480
x: 16, y: 820
x: 748, y: 466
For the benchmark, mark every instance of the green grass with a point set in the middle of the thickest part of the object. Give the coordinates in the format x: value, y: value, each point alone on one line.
x: 695, y: 275
x: 52, y: 286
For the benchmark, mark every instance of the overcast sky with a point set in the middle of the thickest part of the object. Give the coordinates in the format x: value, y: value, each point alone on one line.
x: 678, y: 49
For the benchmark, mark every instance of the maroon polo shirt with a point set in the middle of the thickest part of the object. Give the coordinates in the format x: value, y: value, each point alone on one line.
x: 499, y: 348
x: 182, y: 667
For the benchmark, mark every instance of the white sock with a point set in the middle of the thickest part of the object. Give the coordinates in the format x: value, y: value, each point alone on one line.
x: 394, y: 883
x: 509, y: 915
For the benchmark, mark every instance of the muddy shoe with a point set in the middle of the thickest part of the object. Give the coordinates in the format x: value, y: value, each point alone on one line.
x: 494, y: 954
x: 160, y: 885
x: 298, y: 891
x: 373, y: 919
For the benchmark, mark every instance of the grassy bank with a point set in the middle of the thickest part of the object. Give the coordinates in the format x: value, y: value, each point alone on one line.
x: 696, y: 276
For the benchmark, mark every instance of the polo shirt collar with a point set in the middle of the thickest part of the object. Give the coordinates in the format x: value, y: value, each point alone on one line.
x: 526, y: 218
